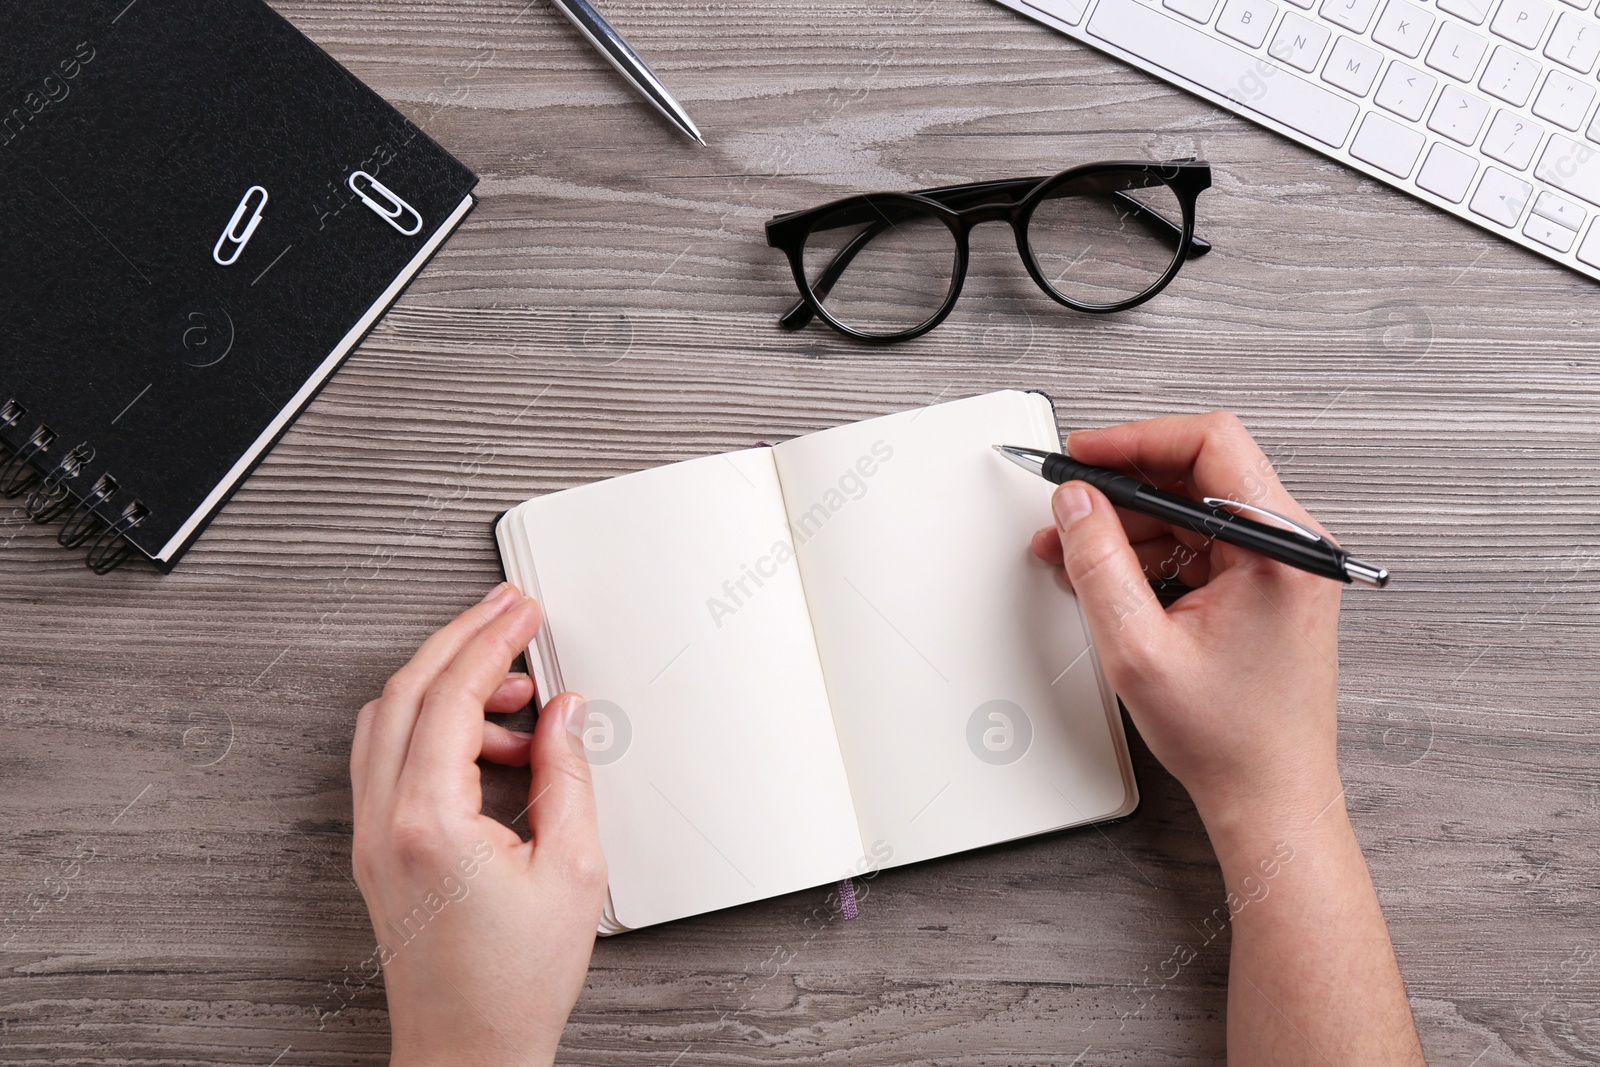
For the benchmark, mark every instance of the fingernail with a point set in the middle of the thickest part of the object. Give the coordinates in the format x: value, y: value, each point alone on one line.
x: 572, y: 712
x: 495, y: 593
x: 1071, y: 503
x: 1073, y: 435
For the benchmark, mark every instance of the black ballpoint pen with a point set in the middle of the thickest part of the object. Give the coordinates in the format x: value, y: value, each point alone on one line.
x: 1296, y: 545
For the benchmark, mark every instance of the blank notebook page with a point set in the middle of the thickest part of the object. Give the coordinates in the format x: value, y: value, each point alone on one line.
x: 928, y: 607
x: 731, y: 786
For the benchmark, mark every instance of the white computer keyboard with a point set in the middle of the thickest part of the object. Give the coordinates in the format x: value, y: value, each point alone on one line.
x: 1485, y: 108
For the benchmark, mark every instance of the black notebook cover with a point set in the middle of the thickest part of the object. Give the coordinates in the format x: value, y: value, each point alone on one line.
x: 201, y: 214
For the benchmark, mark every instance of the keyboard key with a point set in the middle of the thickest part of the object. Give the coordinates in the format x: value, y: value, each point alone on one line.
x: 1575, y: 42
x: 1589, y: 251
x: 1571, y: 167
x: 1500, y: 197
x: 1512, y: 139
x: 1309, y: 4
x: 1563, y: 100
x: 1299, y: 42
x: 1458, y: 115
x: 1473, y: 11
x: 1521, y: 21
x: 1353, y: 15
x: 1581, y: 5
x: 1247, y: 21
x: 1387, y: 144
x: 1550, y: 233
x: 1195, y: 56
x: 1510, y: 76
x: 1405, y: 91
x: 1447, y: 172
x: 1199, y: 10
x: 1352, y: 66
x: 1068, y: 11
x: 1456, y: 51
x: 1558, y: 210
x: 1403, y: 27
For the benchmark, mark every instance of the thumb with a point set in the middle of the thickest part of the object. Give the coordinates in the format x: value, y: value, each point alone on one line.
x: 561, y: 812
x: 1126, y: 621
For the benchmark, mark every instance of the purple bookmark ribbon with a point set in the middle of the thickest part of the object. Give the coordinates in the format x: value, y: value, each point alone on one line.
x: 847, y: 898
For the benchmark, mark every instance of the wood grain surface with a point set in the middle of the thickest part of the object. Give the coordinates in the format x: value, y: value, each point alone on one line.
x: 1432, y: 394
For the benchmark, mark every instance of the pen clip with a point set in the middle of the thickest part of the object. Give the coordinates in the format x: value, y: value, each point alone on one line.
x: 1290, y: 524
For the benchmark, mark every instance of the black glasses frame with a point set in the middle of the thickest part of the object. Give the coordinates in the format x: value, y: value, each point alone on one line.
x: 960, y: 208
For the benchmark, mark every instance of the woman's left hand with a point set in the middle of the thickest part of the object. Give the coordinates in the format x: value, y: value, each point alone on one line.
x: 484, y: 939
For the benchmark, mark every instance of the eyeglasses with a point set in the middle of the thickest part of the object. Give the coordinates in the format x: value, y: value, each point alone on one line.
x: 889, y: 266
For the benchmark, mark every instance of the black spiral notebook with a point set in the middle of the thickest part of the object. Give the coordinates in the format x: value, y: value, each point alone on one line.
x: 201, y: 214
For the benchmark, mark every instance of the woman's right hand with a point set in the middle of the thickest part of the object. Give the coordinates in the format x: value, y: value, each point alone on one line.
x: 1235, y: 689
x: 1235, y: 686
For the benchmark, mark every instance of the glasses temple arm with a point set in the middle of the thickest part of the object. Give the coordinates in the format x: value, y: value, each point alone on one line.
x: 1171, y: 233
x: 802, y: 312
x: 956, y: 196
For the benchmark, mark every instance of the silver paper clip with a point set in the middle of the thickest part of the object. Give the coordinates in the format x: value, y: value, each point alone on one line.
x: 392, y: 210
x: 232, y: 236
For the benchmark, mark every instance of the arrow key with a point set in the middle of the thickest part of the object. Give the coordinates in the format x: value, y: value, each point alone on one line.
x: 1500, y: 197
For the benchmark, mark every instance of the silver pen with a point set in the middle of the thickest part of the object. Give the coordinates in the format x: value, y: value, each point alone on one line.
x: 627, y: 61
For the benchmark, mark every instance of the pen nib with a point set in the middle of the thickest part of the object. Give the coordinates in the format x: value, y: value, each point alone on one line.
x: 1029, y: 459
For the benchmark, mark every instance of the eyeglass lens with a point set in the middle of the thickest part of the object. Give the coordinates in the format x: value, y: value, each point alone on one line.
x: 1106, y: 238
x: 881, y: 268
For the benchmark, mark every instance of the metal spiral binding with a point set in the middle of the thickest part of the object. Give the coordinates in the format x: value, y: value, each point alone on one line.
x: 50, y: 495
x: 82, y: 521
x: 111, y: 547
x: 18, y: 473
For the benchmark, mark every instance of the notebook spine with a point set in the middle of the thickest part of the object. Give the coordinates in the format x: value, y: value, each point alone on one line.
x: 57, y: 482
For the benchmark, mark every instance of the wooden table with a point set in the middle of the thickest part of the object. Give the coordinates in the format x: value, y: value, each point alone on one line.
x: 1429, y: 392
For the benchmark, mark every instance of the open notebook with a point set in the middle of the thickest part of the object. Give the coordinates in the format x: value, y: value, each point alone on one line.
x: 832, y: 655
